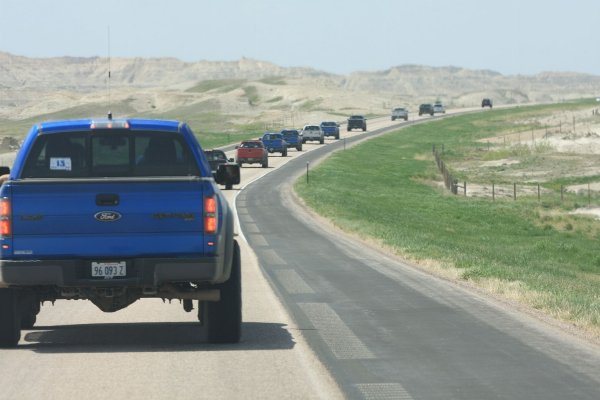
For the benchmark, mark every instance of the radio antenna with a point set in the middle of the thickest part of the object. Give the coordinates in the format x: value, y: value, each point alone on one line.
x: 108, y: 81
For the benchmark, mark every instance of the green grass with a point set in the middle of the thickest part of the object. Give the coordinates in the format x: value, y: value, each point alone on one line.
x: 382, y: 189
x: 251, y: 93
x: 274, y: 80
x: 211, y: 126
x: 221, y: 85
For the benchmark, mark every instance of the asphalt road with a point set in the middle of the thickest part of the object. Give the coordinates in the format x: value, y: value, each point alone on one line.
x: 388, y: 331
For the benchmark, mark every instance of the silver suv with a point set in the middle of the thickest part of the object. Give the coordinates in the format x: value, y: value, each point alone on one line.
x: 400, y: 113
x: 313, y: 133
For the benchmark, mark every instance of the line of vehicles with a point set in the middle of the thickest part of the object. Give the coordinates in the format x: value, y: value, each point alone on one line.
x: 256, y: 151
x: 430, y: 109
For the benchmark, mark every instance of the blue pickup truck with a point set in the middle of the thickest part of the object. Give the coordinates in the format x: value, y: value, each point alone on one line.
x: 330, y: 128
x: 275, y: 143
x: 113, y: 211
x: 293, y: 138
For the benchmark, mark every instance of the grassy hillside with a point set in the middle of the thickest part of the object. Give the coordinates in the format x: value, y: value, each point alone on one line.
x: 387, y: 189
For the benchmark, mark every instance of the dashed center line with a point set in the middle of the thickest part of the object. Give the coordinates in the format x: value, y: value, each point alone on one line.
x: 292, y: 282
x: 344, y: 344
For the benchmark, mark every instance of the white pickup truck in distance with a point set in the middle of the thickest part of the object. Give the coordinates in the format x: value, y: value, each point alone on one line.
x: 313, y: 133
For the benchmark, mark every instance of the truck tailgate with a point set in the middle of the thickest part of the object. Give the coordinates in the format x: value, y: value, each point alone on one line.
x: 122, y: 219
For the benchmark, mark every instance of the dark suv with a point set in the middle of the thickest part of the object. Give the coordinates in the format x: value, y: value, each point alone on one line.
x: 425, y: 109
x: 486, y: 103
x: 357, y: 122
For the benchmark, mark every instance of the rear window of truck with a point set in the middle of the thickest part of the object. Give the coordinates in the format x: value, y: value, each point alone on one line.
x: 109, y: 154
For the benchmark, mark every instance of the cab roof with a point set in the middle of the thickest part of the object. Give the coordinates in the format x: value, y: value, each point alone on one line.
x: 104, y: 123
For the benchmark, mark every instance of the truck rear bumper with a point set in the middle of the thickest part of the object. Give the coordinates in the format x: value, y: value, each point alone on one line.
x: 141, y: 272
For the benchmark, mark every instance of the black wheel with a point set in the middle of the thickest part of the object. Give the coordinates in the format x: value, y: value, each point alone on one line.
x: 284, y: 153
x: 322, y: 141
x: 348, y: 130
x: 10, y: 318
x: 337, y: 136
x: 393, y: 118
x: 29, y: 307
x: 299, y: 147
x: 364, y: 128
x: 265, y: 163
x: 28, y: 320
x: 406, y: 118
x: 228, y: 186
x: 224, y: 317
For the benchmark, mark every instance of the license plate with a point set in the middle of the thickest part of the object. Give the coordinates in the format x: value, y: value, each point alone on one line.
x: 109, y: 270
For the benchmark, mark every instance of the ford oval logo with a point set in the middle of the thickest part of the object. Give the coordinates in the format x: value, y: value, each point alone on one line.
x: 107, y: 216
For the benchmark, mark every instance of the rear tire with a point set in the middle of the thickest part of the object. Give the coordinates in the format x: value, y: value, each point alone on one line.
x: 228, y: 186
x: 224, y: 317
x: 265, y: 163
x: 10, y: 318
x: 29, y: 306
x: 322, y: 140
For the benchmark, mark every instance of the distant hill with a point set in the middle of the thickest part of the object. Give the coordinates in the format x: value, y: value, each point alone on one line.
x: 252, y: 90
x: 78, y: 73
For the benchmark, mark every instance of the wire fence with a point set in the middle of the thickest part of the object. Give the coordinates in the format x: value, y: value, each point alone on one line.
x: 582, y: 194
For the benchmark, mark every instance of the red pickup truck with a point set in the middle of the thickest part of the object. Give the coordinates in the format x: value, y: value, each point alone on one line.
x: 252, y: 152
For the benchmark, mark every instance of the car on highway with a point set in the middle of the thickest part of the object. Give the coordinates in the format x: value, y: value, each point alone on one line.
x: 313, y: 133
x: 439, y: 108
x: 426, y: 108
x: 486, y: 103
x: 330, y: 128
x: 275, y: 143
x: 252, y: 152
x: 216, y: 158
x: 356, y: 122
x: 113, y: 211
x: 399, y: 113
x: 293, y: 138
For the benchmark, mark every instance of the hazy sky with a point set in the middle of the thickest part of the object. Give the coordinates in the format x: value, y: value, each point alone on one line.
x: 508, y: 36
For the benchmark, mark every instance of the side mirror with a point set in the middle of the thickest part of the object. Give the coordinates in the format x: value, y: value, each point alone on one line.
x: 228, y: 174
x: 4, y: 170
x: 237, y: 147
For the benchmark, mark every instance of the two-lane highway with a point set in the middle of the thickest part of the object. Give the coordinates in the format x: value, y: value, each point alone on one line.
x: 387, y: 330
x: 155, y: 350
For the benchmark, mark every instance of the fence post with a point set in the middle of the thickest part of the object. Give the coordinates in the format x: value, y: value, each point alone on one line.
x: 589, y: 195
x: 561, y: 193
x: 465, y: 187
x: 493, y: 192
x: 514, y: 191
x: 538, y: 192
x: 307, y: 172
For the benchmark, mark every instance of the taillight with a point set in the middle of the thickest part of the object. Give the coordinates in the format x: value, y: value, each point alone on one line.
x: 5, y: 218
x: 210, y: 215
